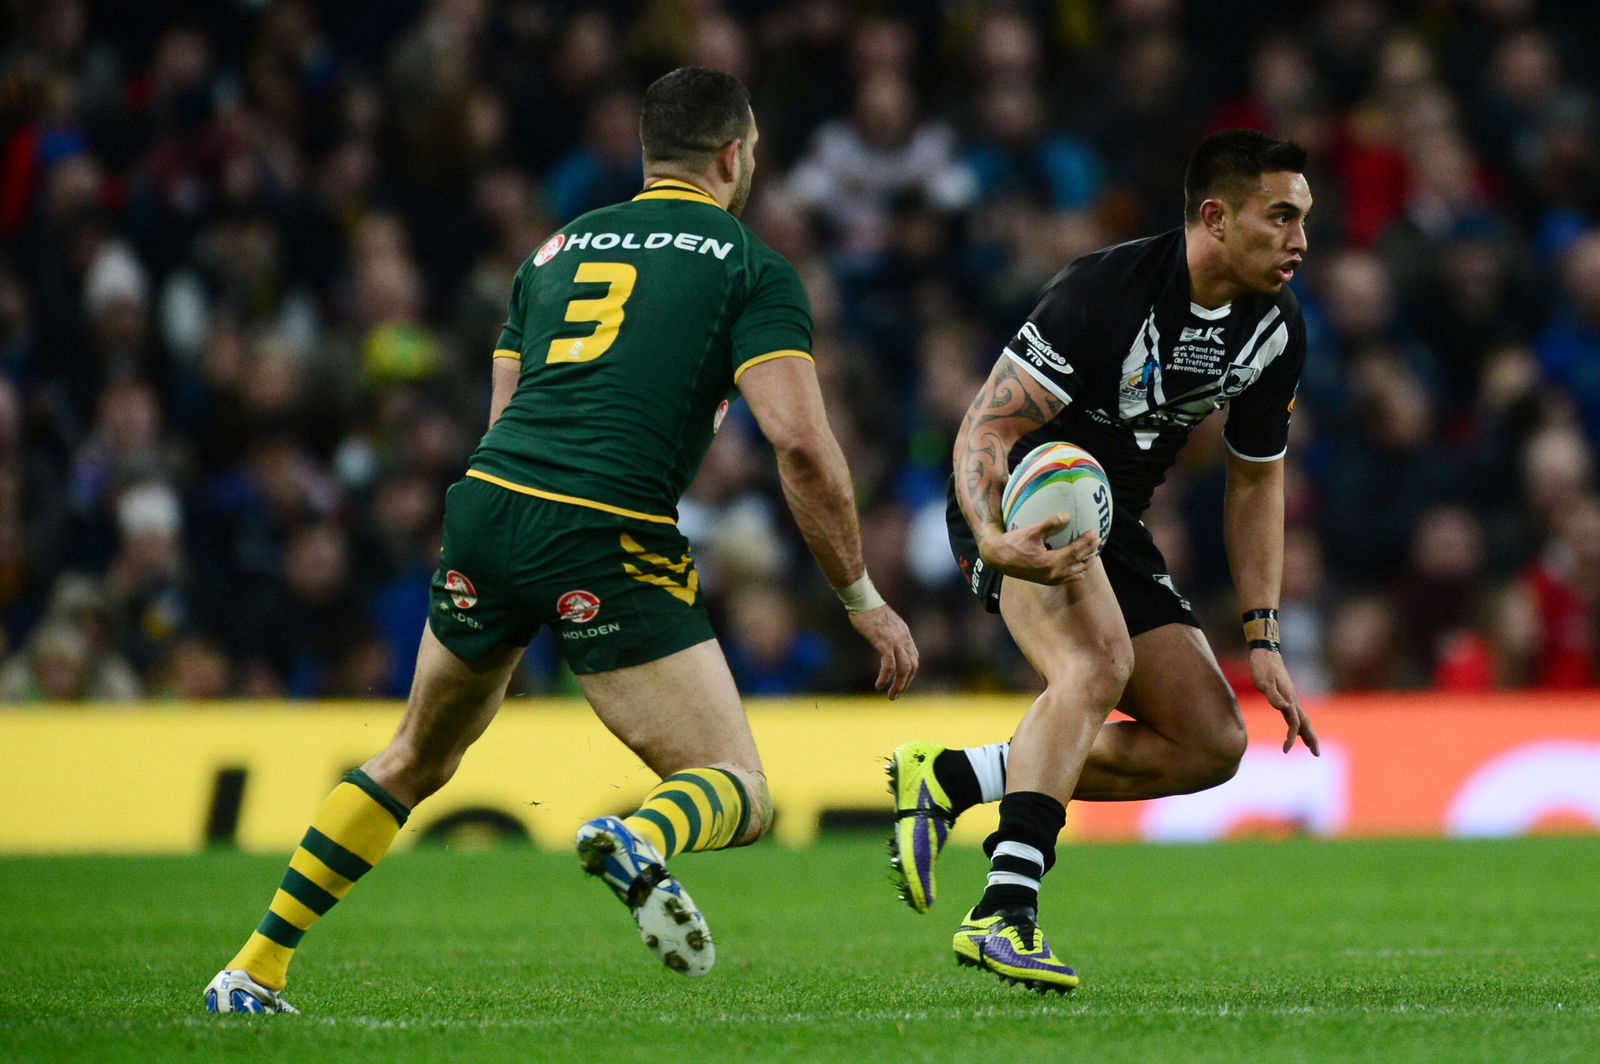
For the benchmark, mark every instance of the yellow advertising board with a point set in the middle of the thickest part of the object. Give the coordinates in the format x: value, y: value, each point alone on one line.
x: 143, y: 779
x: 170, y: 780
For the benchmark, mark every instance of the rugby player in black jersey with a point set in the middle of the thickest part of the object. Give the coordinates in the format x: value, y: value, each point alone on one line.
x: 1128, y: 349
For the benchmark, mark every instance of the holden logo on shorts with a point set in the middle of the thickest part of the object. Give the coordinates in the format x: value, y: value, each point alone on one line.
x: 578, y: 607
x: 716, y: 419
x: 462, y: 593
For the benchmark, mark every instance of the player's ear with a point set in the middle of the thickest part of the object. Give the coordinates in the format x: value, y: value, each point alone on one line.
x: 1214, y: 216
x: 728, y: 160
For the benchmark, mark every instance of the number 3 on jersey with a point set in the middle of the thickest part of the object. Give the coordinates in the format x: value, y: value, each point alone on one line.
x: 606, y: 312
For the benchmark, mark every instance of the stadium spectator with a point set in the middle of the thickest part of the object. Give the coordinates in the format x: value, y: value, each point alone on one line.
x: 56, y: 666
x: 1437, y: 590
x: 1500, y: 651
x: 1144, y: 108
x: 1557, y: 467
x: 1281, y: 84
x: 1362, y: 651
x: 1395, y: 442
x: 1569, y: 348
x: 855, y: 168
x: 1015, y: 154
x: 148, y: 583
x: 1305, y: 609
x: 194, y: 669
x: 70, y: 656
x: 307, y: 629
x: 605, y: 168
x: 769, y: 650
x: 1564, y: 582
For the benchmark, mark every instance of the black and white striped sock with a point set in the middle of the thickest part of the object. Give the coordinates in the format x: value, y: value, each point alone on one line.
x: 972, y: 776
x: 1021, y: 851
x: 989, y: 766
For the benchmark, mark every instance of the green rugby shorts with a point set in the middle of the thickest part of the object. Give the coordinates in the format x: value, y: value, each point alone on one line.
x: 617, y: 591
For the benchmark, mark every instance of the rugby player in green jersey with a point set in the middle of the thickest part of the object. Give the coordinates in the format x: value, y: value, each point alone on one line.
x: 628, y: 332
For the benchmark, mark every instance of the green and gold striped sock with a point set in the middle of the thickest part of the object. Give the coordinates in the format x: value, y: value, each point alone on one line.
x: 351, y: 833
x: 696, y: 809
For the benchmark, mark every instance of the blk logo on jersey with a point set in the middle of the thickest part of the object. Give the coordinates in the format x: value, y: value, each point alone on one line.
x: 1213, y: 335
x: 578, y: 607
x: 462, y: 593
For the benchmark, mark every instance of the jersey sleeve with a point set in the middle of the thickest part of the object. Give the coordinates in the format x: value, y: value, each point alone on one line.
x: 1050, y: 344
x: 510, y: 343
x: 1258, y: 420
x: 775, y: 321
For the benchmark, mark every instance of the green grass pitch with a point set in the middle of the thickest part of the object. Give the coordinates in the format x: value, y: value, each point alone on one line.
x: 1285, y: 951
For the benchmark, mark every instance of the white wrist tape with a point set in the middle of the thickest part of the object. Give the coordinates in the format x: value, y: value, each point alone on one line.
x: 860, y: 596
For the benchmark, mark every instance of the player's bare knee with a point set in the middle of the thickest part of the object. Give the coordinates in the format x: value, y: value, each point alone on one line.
x: 1216, y: 758
x: 1117, y: 656
x: 1212, y: 769
x: 1102, y: 674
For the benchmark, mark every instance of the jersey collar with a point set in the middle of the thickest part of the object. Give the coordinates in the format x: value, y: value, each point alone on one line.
x: 672, y: 188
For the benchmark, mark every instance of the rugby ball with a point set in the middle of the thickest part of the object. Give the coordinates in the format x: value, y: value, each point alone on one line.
x: 1059, y: 478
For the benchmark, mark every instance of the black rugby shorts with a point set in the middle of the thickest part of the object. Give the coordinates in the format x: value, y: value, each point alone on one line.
x: 1133, y: 562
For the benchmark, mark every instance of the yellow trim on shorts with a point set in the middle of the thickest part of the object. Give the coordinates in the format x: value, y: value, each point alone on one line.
x: 506, y: 352
x: 768, y: 357
x: 571, y: 500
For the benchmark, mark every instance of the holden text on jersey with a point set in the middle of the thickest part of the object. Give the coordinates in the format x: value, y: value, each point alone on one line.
x: 702, y: 245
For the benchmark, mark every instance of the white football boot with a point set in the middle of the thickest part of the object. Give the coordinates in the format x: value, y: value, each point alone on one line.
x: 669, y: 922
x: 234, y: 991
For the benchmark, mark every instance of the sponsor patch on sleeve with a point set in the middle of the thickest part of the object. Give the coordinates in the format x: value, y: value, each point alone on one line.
x: 1031, y: 345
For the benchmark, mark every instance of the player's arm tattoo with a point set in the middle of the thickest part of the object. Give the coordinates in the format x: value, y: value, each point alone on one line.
x: 1010, y: 405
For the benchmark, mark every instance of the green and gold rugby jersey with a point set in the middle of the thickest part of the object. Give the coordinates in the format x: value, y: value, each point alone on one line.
x: 633, y: 325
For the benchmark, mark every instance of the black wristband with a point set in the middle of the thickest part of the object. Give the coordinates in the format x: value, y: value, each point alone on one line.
x: 1261, y: 629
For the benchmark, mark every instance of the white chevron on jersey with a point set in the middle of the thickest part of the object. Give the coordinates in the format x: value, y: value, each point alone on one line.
x: 1141, y: 390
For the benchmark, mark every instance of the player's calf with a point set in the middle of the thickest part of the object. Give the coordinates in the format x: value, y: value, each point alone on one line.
x: 709, y: 808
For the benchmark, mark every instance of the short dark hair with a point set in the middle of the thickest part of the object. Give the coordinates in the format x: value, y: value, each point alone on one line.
x: 691, y: 113
x: 1227, y: 164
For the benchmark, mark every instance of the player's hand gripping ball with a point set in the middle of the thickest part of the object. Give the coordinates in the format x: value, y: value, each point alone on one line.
x: 1059, y: 478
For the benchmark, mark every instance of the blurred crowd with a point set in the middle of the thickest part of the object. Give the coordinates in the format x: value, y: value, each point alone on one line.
x: 254, y: 255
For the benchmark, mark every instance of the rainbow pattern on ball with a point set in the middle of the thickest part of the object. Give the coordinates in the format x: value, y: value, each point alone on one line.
x: 1049, y: 463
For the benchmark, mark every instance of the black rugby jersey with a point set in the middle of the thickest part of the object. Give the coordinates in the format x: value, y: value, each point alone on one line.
x: 1116, y: 338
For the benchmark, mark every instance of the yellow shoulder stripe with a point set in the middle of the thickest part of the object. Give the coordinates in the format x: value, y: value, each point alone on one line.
x: 506, y: 352
x: 570, y: 500
x: 768, y: 357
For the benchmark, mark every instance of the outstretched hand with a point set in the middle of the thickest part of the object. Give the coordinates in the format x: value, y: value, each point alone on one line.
x: 897, y: 652
x: 1271, y: 678
x: 1023, y: 553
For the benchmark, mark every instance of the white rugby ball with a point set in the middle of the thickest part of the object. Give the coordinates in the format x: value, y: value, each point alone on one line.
x: 1059, y: 478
